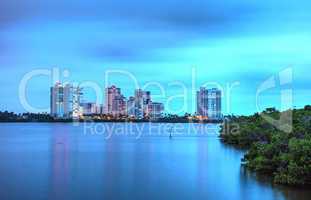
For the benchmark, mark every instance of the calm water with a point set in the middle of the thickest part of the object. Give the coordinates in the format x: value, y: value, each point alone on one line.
x: 62, y: 161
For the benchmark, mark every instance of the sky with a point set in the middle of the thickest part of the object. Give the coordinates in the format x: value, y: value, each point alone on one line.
x: 170, y: 47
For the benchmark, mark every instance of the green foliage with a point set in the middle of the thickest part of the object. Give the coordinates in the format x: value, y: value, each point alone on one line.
x: 284, y: 156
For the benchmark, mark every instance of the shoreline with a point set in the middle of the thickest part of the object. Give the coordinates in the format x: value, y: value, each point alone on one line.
x: 271, y: 151
x: 114, y: 121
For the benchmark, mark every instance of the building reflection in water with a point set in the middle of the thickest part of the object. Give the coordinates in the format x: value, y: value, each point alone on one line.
x: 59, y: 162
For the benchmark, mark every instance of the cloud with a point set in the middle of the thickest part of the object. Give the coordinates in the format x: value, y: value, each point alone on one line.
x: 170, y: 13
x: 127, y: 30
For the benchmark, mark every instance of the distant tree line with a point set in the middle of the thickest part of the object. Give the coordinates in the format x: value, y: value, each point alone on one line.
x: 45, y: 117
x: 25, y: 117
x: 284, y: 156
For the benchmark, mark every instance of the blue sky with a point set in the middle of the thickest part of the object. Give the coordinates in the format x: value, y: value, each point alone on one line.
x: 223, y: 41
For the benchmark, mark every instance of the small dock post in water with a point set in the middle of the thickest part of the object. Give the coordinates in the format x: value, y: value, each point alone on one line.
x: 171, y: 133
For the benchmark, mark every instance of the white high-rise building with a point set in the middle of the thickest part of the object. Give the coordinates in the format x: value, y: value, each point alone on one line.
x: 214, y: 104
x: 142, y: 100
x: 209, y: 103
x: 139, y: 110
x: 130, y: 107
x: 144, y: 107
x: 76, y: 99
x: 64, y: 101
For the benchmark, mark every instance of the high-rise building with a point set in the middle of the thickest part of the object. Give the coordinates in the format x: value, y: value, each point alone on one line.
x: 139, y: 113
x: 146, y: 102
x: 139, y: 106
x: 115, y: 101
x: 130, y: 107
x: 155, y: 110
x: 64, y: 101
x: 76, y: 99
x: 202, y: 102
x: 119, y: 105
x: 214, y: 104
x: 56, y: 100
x: 110, y: 95
x: 209, y: 103
x: 142, y: 100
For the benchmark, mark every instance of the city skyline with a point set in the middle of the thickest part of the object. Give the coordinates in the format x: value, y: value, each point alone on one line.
x: 66, y: 101
x: 226, y: 91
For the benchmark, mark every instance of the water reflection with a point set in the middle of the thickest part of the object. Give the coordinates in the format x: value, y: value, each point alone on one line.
x: 58, y: 161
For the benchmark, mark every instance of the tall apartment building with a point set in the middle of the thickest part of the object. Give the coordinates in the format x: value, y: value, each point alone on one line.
x: 142, y: 100
x: 119, y: 106
x: 139, y: 106
x: 76, y: 99
x: 130, y: 107
x: 214, y: 104
x: 115, y: 102
x: 64, y: 101
x: 209, y: 103
x: 202, y: 102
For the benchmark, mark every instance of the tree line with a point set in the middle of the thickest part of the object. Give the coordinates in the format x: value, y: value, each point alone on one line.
x: 284, y: 156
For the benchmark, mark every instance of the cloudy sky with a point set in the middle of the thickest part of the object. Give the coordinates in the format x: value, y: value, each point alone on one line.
x: 226, y: 41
